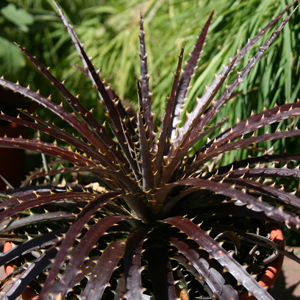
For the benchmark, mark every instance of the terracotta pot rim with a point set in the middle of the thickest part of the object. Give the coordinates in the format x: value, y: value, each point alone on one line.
x: 274, y: 268
x: 28, y: 293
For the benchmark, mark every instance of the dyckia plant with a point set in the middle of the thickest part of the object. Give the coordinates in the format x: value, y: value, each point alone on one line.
x: 167, y: 220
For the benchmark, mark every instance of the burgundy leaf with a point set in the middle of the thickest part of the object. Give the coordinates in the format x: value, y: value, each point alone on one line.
x: 254, y: 122
x: 195, y: 117
x: 123, y: 113
x: 209, y: 275
x: 254, y: 161
x: 187, y: 264
x: 50, y: 149
x: 132, y: 161
x: 140, y: 210
x: 169, y: 205
x: 80, y: 254
x: 241, y: 75
x: 121, y: 289
x: 217, y: 252
x: 192, y: 120
x: 71, y: 99
x: 262, y: 189
x: 34, y: 269
x: 121, y: 179
x: 132, y: 264
x: 40, y: 200
x: 134, y: 200
x: 102, y: 135
x: 185, y: 81
x: 145, y: 90
x: 146, y: 163
x: 175, y: 161
x: 277, y: 214
x: 19, y: 197
x: 161, y: 273
x: 86, y: 268
x: 101, y: 89
x: 264, y: 172
x: 166, y: 129
x: 99, y: 279
x: 56, y: 109
x: 72, y: 234
x: 214, y: 151
x: 39, y: 218
x: 32, y: 244
x: 56, y: 132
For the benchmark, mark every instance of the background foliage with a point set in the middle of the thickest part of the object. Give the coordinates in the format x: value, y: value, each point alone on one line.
x: 110, y: 32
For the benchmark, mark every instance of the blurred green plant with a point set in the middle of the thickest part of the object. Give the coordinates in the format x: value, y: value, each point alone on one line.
x: 11, y: 60
x: 110, y: 32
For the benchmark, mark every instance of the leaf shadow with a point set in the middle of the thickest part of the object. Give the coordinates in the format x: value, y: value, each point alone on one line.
x: 280, y: 291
